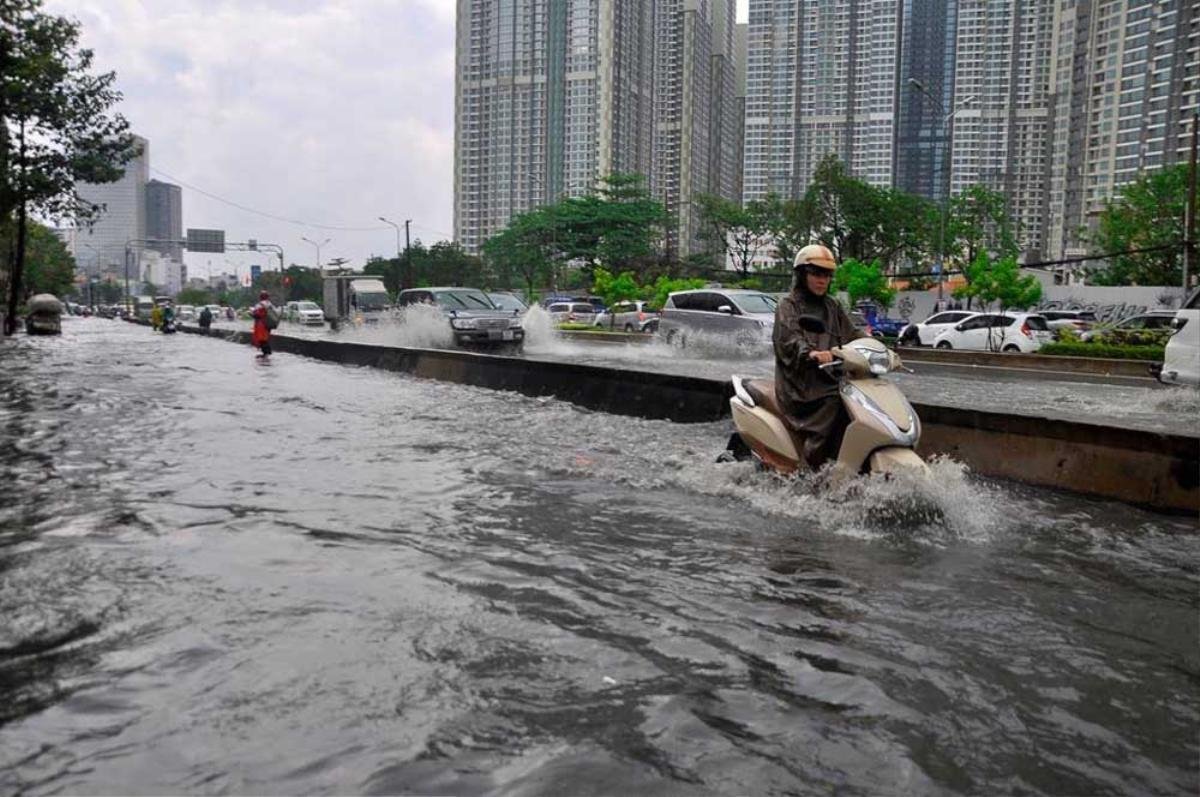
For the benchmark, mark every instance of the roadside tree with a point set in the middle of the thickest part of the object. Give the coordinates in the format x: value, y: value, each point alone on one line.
x: 56, y: 127
x: 1147, y: 216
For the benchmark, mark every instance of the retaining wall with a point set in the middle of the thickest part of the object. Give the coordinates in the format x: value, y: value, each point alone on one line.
x: 1160, y: 471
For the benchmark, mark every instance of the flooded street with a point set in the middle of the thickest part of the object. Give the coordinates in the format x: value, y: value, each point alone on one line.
x: 218, y: 576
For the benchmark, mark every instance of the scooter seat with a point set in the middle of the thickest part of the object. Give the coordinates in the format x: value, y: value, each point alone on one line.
x: 763, y: 393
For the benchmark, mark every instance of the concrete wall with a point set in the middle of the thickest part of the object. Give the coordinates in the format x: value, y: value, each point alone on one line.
x: 1109, y: 304
x: 1160, y: 471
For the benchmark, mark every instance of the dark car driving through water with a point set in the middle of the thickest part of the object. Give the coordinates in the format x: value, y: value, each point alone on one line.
x: 474, y: 318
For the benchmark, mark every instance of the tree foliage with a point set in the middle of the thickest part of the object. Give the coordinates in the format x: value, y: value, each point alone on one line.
x: 617, y: 227
x: 56, y: 126
x: 1147, y: 215
x: 999, y: 280
x: 977, y: 221
x: 740, y: 232
x: 864, y: 281
x: 49, y: 267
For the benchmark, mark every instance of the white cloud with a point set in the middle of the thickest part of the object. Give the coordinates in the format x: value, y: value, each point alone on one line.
x: 331, y: 112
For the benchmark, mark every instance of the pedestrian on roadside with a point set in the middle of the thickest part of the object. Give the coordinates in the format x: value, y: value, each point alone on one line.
x: 206, y: 319
x: 261, y: 337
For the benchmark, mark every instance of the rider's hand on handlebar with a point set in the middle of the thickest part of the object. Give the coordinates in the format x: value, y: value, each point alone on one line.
x: 822, y: 357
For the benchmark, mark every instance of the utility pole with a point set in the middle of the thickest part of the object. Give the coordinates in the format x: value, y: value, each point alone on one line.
x: 1189, y: 213
x: 408, y: 267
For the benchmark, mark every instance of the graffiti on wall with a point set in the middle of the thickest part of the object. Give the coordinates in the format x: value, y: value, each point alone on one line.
x: 1108, y: 312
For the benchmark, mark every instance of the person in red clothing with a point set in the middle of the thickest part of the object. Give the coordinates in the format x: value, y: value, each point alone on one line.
x: 261, y: 337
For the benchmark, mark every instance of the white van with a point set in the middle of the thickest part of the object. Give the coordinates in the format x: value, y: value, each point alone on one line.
x: 1181, y: 360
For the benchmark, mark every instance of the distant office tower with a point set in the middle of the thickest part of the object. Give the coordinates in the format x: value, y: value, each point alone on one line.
x: 1126, y: 83
x: 695, y: 111
x: 740, y: 37
x: 821, y: 79
x: 927, y: 49
x: 164, y: 218
x: 549, y: 96
x: 121, y: 217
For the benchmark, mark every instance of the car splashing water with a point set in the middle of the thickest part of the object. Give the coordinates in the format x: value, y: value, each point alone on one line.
x: 220, y: 575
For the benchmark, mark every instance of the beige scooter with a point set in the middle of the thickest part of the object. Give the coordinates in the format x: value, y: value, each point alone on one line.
x: 883, y: 429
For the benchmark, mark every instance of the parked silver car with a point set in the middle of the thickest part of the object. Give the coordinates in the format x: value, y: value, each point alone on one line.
x: 747, y: 316
x: 627, y: 316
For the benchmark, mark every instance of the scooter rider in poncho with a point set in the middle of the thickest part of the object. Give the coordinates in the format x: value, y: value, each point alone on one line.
x: 808, y: 396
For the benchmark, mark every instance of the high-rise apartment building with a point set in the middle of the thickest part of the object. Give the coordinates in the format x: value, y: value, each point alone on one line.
x: 553, y: 95
x: 164, y: 218
x: 822, y: 77
x: 549, y: 95
x: 1057, y: 104
x: 1003, y: 53
x: 1126, y: 83
x: 121, y: 215
x: 695, y: 111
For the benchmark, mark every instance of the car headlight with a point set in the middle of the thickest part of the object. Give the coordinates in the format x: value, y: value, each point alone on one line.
x: 877, y: 361
x: 514, y: 323
x: 462, y: 323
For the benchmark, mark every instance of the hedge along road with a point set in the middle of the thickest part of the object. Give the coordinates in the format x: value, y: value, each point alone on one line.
x: 307, y: 577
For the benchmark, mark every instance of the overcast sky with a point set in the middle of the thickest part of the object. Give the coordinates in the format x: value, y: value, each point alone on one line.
x: 327, y: 112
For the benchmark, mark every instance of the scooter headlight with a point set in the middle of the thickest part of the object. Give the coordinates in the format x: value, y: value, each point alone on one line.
x: 877, y: 361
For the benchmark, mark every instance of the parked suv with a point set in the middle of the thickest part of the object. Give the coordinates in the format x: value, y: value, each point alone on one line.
x: 473, y: 317
x: 745, y: 315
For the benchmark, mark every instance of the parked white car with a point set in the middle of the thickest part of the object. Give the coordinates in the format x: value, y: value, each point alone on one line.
x: 572, y: 313
x: 1181, y: 360
x: 304, y: 312
x: 1006, y: 332
x: 1076, y: 320
x: 926, y: 332
x: 627, y: 316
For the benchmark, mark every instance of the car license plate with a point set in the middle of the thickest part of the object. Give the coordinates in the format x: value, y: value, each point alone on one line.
x: 508, y: 334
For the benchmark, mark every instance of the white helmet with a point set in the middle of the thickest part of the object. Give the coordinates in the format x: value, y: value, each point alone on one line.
x: 815, y: 255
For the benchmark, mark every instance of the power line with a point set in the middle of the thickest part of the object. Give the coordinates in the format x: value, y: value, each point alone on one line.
x: 263, y: 212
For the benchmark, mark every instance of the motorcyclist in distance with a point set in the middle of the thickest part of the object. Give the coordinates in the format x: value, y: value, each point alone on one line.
x: 812, y: 408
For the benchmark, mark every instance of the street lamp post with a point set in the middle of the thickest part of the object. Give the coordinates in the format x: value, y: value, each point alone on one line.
x: 397, y: 226
x: 318, y: 247
x: 945, y: 209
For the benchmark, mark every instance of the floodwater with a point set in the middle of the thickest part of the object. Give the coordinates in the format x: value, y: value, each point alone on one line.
x: 219, y: 576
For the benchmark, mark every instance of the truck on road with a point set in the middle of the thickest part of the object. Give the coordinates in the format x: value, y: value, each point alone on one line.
x: 355, y: 298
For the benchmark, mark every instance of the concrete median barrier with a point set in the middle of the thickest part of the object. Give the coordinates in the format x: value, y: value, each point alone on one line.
x: 1161, y: 471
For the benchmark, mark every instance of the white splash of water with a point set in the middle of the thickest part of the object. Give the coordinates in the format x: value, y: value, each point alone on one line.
x: 541, y: 334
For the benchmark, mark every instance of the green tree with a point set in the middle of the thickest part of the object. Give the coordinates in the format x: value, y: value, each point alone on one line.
x: 978, y: 221
x: 1147, y: 215
x: 108, y: 292
x: 741, y: 232
x: 49, y: 267
x: 858, y: 220
x: 656, y: 294
x: 524, y: 251
x: 864, y: 281
x: 621, y: 288
x: 56, y: 127
x: 999, y: 281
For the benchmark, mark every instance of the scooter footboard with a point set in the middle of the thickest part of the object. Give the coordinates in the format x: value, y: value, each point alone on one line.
x: 896, y: 458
